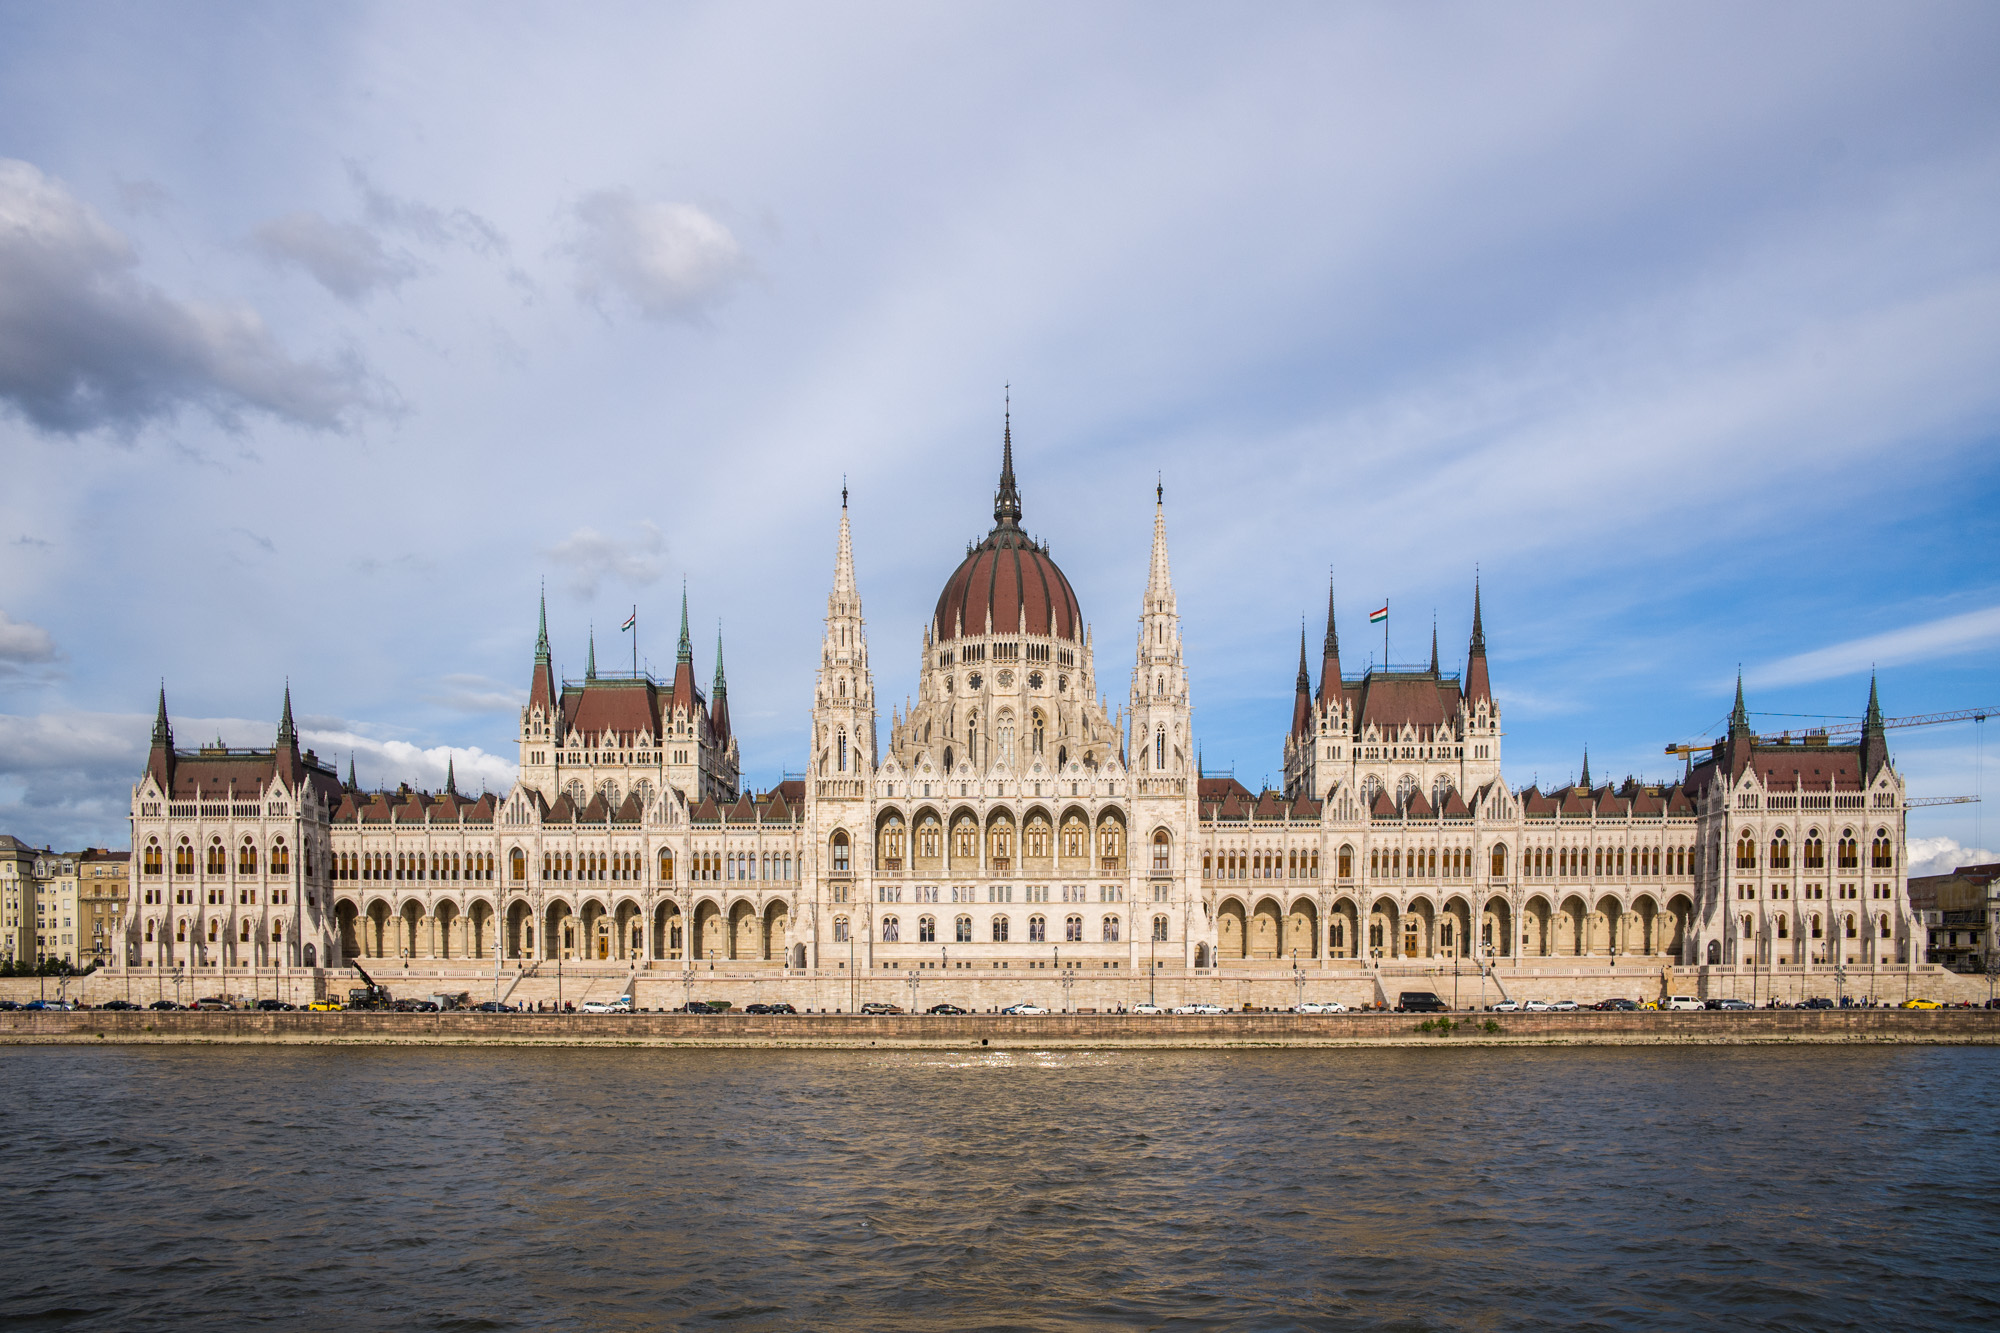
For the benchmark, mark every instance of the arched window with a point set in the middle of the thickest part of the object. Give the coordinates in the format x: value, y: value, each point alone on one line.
x: 666, y: 866
x: 1850, y: 850
x: 1040, y: 722
x: 840, y: 930
x: 1073, y: 929
x: 927, y: 930
x: 1781, y: 851
x: 999, y: 930
x: 184, y: 859
x: 1163, y: 850
x: 842, y: 735
x: 1746, y: 852
x: 1815, y: 851
x: 1882, y: 923
x: 1160, y: 748
x: 962, y: 930
x: 1817, y: 931
x: 1847, y: 926
x: 930, y: 838
x: 1346, y: 861
x: 243, y: 934
x: 1038, y: 929
x: 840, y: 860
x: 1499, y: 859
x: 218, y: 862
x: 246, y: 859
x: 1036, y: 840
x: 1749, y: 929
x: 152, y: 858
x: 278, y: 931
x: 1111, y: 930
x: 1883, y: 854
x: 517, y: 865
x: 892, y: 930
x: 1159, y: 928
x: 1784, y: 928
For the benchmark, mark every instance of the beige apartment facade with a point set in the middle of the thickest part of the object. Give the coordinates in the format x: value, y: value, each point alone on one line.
x: 1011, y: 821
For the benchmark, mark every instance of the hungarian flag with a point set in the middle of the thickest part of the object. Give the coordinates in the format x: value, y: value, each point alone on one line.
x: 630, y: 620
x: 1377, y: 617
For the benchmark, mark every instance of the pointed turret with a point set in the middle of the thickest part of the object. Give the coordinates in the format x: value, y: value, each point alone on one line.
x: 450, y: 776
x: 542, y: 684
x: 1007, y: 500
x: 1584, y: 782
x: 1329, y: 658
x: 1739, y: 716
x: 1874, y: 744
x: 290, y: 767
x: 1302, y: 693
x: 1739, y: 742
x: 1477, y: 686
x: 685, y: 653
x: 160, y: 762
x: 1160, y: 576
x: 590, y: 664
x: 685, y: 695
x: 1434, y: 645
x: 352, y: 785
x: 844, y: 591
x: 719, y: 696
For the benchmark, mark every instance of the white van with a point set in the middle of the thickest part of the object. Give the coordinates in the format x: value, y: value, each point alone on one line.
x: 1685, y: 1002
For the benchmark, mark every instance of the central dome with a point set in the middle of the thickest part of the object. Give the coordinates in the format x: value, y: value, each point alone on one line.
x: 1007, y: 577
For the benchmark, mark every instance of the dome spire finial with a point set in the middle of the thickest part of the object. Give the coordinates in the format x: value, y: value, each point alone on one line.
x: 1007, y: 503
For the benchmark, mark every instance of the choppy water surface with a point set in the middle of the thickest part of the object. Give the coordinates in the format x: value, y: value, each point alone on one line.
x: 498, y: 1189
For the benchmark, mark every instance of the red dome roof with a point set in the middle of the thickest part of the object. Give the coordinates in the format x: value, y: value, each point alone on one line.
x: 1006, y: 575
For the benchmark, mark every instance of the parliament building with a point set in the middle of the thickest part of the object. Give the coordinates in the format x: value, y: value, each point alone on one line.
x: 1009, y: 824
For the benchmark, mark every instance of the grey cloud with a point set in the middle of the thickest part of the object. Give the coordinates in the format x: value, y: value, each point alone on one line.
x: 344, y: 257
x: 591, y: 557
x: 85, y: 344
x: 23, y: 643
x: 672, y: 261
x: 265, y: 544
x: 143, y: 199
x: 37, y: 543
x: 476, y: 694
x: 433, y: 226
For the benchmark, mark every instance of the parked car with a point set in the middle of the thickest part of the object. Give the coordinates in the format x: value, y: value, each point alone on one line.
x: 1921, y: 1004
x: 944, y: 1009
x: 1322, y: 1007
x: 274, y: 1006
x: 748, y: 1009
x: 1816, y: 1002
x: 1731, y: 1003
x: 1421, y: 1002
x: 318, y: 1007
x: 1562, y: 1006
x: 782, y: 1008
x: 1505, y: 1007
x: 1616, y: 1003
x: 1681, y: 1003
x: 1206, y: 1008
x: 213, y: 1002
x: 118, y: 1005
x: 7, y: 1005
x: 1024, y: 1008
x: 163, y: 1004
x: 492, y: 1007
x: 878, y: 1007
x: 1143, y: 1008
x: 1536, y: 1006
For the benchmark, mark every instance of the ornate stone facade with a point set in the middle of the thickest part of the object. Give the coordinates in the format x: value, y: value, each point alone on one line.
x: 1015, y: 824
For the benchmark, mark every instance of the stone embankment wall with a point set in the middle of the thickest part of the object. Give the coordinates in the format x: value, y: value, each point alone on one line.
x: 666, y: 986
x: 1960, y: 1026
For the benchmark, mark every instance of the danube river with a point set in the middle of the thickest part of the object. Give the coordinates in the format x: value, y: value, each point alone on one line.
x: 398, y: 1188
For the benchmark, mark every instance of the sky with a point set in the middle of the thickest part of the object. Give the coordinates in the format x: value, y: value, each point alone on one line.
x: 331, y: 335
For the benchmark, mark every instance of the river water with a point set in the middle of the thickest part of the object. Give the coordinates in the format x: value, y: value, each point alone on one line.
x: 385, y: 1188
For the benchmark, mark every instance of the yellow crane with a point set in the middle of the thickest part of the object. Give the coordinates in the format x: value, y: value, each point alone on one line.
x: 1846, y: 729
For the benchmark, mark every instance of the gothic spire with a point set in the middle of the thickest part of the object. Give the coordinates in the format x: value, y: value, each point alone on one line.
x: 1739, y: 716
x: 1160, y: 578
x: 1007, y: 502
x: 686, y: 651
x: 287, y: 737
x: 721, y: 686
x: 1305, y: 681
x: 542, y: 633
x: 590, y: 671
x: 1478, y: 648
x: 1874, y: 745
x: 1477, y: 685
x: 163, y: 732
x: 1434, y: 645
x: 1586, y: 768
x: 1329, y: 664
x: 450, y: 776
x: 843, y: 556
x: 352, y: 785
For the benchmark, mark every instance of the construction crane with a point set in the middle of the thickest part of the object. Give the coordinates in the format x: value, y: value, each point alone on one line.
x: 1847, y: 729
x: 1918, y: 801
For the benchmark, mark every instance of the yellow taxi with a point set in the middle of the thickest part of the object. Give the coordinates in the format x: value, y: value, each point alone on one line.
x: 323, y: 1007
x: 1921, y: 1004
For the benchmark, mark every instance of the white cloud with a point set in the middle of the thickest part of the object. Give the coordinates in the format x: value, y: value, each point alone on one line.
x: 344, y: 257
x: 387, y: 763
x: 672, y: 261
x: 1941, y: 856
x: 1915, y: 643
x: 477, y: 694
x: 22, y: 643
x: 86, y: 344
x: 591, y: 557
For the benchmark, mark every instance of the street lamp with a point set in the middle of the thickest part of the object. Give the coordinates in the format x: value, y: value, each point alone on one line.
x: 1298, y: 982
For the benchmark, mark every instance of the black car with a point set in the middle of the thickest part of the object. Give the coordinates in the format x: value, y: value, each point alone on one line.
x: 120, y: 1005
x: 9, y: 1004
x: 492, y: 1007
x: 1421, y: 1002
x: 1816, y: 1002
x: 163, y: 1004
x: 782, y: 1008
x: 756, y: 1008
x: 944, y: 1009
x: 1616, y: 1002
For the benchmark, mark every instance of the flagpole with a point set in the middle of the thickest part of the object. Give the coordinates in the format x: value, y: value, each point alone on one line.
x: 1385, y: 634
x: 635, y: 641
